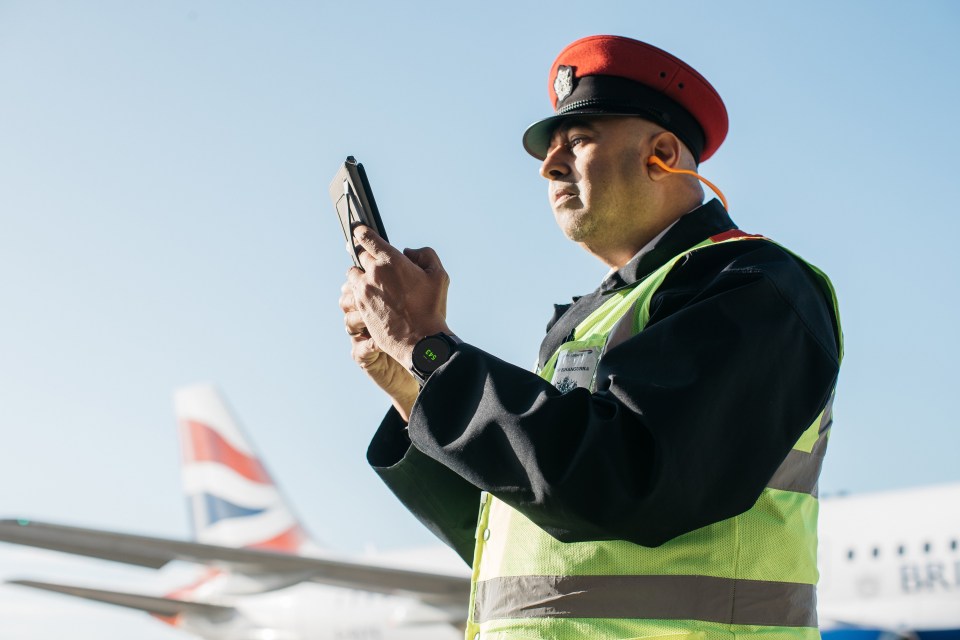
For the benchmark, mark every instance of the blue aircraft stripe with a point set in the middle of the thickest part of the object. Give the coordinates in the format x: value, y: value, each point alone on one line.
x: 218, y: 509
x: 854, y: 633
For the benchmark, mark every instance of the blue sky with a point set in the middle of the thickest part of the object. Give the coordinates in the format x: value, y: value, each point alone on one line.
x: 165, y: 220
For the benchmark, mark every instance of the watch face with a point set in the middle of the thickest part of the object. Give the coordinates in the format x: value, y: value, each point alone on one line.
x: 430, y: 353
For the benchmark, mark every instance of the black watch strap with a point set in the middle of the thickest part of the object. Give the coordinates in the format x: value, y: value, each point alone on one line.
x: 432, y: 352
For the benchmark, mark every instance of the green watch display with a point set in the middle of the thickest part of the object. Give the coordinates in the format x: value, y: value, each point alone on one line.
x: 431, y: 352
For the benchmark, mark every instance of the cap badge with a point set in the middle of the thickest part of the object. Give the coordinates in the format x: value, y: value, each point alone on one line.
x: 563, y: 84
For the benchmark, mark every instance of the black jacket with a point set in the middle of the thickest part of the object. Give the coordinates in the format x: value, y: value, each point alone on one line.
x: 690, y: 419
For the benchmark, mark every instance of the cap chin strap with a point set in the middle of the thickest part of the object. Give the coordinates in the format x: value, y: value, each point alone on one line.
x: 654, y: 160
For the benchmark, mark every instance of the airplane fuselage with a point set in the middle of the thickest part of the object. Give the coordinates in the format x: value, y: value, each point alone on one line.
x: 892, y: 559
x: 317, y: 612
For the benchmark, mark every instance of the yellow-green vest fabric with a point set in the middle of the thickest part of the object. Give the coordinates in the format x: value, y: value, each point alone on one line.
x: 753, y: 575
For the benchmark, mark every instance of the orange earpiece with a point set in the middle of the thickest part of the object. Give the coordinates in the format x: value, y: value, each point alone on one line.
x: 654, y: 160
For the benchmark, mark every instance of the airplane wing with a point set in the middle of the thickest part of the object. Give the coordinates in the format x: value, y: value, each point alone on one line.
x: 146, y: 551
x: 167, y: 607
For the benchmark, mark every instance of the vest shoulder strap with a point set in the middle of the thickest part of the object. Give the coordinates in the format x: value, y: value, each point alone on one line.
x: 625, y: 324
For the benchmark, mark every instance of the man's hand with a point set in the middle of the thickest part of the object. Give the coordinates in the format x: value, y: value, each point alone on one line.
x: 389, y: 306
x: 386, y: 372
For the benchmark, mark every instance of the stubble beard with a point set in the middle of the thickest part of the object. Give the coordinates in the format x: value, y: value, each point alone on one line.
x: 576, y: 223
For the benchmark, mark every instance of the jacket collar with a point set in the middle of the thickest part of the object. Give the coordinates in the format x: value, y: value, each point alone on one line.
x: 691, y: 229
x: 703, y: 222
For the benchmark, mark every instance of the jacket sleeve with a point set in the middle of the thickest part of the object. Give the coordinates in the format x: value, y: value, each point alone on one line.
x: 439, y: 498
x: 690, y: 419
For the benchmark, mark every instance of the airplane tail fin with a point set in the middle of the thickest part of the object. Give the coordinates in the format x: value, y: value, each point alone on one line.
x: 232, y: 499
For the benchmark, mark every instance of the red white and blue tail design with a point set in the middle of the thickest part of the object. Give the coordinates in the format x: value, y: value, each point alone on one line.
x: 231, y: 497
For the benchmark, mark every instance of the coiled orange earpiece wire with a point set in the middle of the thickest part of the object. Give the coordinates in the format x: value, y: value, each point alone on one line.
x: 660, y: 163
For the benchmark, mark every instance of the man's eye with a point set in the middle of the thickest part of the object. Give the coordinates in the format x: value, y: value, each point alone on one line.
x: 575, y: 141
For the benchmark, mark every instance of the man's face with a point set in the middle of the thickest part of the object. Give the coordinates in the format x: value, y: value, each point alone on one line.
x: 598, y: 184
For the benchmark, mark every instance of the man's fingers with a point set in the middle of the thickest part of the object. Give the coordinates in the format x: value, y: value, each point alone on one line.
x: 425, y: 258
x: 376, y: 247
x: 365, y: 352
x: 347, y: 302
x: 354, y: 325
x: 354, y: 275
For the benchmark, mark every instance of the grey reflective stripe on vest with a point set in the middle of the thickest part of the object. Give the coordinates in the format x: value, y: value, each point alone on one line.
x: 704, y: 598
x: 800, y: 470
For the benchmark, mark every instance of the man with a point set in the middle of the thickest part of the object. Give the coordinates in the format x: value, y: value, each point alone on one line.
x: 657, y: 476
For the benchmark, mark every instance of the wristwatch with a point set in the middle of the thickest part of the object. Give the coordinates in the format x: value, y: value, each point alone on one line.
x: 431, y: 352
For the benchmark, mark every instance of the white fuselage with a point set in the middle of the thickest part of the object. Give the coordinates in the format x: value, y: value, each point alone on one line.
x: 891, y: 559
x: 317, y: 612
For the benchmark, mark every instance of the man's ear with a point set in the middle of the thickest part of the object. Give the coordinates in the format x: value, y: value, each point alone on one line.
x: 668, y: 149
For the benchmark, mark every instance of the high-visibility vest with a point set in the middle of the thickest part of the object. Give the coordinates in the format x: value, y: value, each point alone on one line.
x: 753, y: 575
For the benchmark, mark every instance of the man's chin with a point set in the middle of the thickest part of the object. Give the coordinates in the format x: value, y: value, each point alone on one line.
x: 575, y: 227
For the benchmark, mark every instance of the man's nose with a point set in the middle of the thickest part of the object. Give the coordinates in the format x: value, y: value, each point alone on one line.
x: 555, y: 164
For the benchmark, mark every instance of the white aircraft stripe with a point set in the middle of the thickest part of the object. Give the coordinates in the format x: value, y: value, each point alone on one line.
x: 239, y: 532
x: 223, y: 482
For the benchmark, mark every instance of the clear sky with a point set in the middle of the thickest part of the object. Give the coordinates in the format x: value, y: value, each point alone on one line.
x: 165, y: 220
